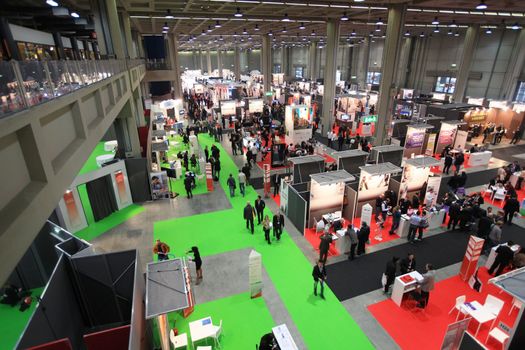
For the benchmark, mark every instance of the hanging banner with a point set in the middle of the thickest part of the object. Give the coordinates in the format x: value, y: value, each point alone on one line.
x: 209, y: 177
x: 267, y: 185
x: 412, y: 180
x: 255, y: 274
x: 431, y: 144
x: 433, y: 185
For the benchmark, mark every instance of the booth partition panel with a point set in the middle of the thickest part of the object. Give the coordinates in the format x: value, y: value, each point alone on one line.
x: 101, y: 197
x: 297, y: 209
x: 138, y: 179
x: 349, y: 202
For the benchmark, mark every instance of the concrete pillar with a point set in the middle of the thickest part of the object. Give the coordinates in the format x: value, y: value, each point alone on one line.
x: 417, y: 63
x: 266, y: 62
x: 127, y: 131
x: 127, y: 34
x: 208, y: 61
x: 7, y: 40
x: 350, y: 61
x: 394, y: 32
x: 57, y: 38
x: 201, y: 61
x: 311, y: 61
x: 514, y: 68
x: 114, y: 29
x: 237, y: 63
x: 173, y: 47
x: 469, y: 46
x: 219, y: 62
x: 364, y: 57
x: 402, y: 67
x: 76, y: 50
x: 330, y: 69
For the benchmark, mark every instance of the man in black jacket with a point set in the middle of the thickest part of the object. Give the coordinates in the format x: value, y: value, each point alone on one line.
x: 503, y: 259
x: 511, y: 207
x: 259, y: 208
x: 484, y: 225
x: 319, y: 275
x: 187, y: 186
x: 363, y: 235
x: 390, y: 273
x: 448, y: 163
x: 278, y: 224
x: 248, y: 215
x: 453, y: 215
x: 324, y: 246
x: 408, y: 264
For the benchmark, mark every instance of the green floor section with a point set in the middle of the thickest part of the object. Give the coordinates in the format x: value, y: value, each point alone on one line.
x: 243, y: 320
x: 95, y: 229
x: 13, y: 321
x: 91, y: 163
x: 286, y: 265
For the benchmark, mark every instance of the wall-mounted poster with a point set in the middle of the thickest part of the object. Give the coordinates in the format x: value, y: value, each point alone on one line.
x: 75, y: 219
x: 255, y: 106
x: 431, y: 144
x: 228, y: 108
x: 159, y: 185
x: 371, y: 186
x: 413, y: 179
x: 121, y: 187
x: 433, y: 185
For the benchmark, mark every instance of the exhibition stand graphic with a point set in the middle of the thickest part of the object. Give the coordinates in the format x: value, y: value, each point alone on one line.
x: 415, y: 140
x: 297, y: 124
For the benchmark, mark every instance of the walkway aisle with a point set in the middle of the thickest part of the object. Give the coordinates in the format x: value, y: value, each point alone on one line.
x: 287, y: 267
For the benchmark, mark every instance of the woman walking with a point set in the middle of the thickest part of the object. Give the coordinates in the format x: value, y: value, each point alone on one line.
x: 198, y: 262
x: 267, y: 225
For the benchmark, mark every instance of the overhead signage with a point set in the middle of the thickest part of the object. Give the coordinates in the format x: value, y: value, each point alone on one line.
x: 370, y: 119
x: 268, y: 93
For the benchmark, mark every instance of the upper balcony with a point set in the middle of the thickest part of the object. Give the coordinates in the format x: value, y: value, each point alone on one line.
x: 24, y: 84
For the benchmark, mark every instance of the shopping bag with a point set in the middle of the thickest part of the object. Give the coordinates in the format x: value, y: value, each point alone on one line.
x: 383, y: 280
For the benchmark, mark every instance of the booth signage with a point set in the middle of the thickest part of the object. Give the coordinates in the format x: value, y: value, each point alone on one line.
x: 477, y: 117
x: 415, y: 139
x: 370, y: 119
x: 470, y: 260
x: 454, y: 334
x: 255, y: 274
x: 209, y: 177
x: 268, y: 93
x: 72, y: 210
x: 366, y: 214
x: 431, y: 144
x: 266, y: 180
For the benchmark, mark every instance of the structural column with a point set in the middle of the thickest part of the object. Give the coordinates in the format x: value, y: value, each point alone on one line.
x: 402, y: 69
x: 311, y: 61
x: 201, y: 62
x: 469, y: 46
x: 57, y: 38
x: 127, y: 33
x: 514, y: 68
x: 330, y: 69
x: 114, y: 29
x: 173, y: 47
x: 394, y: 29
x: 219, y: 62
x: 266, y: 62
x: 364, y: 57
x: 237, y: 63
x: 8, y: 42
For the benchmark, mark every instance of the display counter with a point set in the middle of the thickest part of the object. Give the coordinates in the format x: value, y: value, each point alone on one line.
x: 342, y: 243
x: 436, y: 219
x: 404, y: 225
x: 479, y: 158
x: 492, y: 255
x: 405, y: 284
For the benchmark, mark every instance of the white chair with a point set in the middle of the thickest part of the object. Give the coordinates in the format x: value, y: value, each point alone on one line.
x: 217, y: 331
x: 204, y: 348
x: 516, y: 304
x: 500, y: 334
x: 493, y: 304
x: 319, y: 226
x: 179, y: 341
x: 499, y: 195
x: 459, y: 306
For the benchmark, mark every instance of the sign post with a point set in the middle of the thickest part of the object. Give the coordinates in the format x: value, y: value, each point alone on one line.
x: 470, y: 260
x: 255, y: 274
x: 267, y: 184
x: 209, y: 177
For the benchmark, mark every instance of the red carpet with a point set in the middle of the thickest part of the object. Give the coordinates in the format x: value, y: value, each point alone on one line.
x: 277, y: 199
x: 412, y: 328
x: 315, y: 239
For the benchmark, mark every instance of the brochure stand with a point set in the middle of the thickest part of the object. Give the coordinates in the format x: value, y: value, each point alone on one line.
x: 470, y: 260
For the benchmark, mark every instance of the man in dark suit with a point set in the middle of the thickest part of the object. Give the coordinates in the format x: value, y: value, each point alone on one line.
x: 324, y: 246
x: 503, y: 259
x: 448, y: 163
x: 276, y: 179
x: 278, y: 224
x: 511, y: 207
x: 248, y: 215
x: 408, y: 264
x: 319, y: 275
x: 390, y: 273
x: 362, y: 236
x: 259, y: 208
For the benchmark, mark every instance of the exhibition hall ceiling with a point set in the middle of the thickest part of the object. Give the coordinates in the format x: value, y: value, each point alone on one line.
x: 223, y: 23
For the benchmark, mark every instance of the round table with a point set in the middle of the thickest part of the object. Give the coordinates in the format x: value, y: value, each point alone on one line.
x: 104, y: 158
x: 110, y: 146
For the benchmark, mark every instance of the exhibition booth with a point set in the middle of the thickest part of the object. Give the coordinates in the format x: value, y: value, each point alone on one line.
x: 303, y: 167
x: 417, y: 178
x: 374, y: 180
x: 356, y: 111
x: 278, y: 79
x: 451, y: 134
x: 417, y: 140
x: 351, y: 160
x: 386, y: 153
x: 297, y: 124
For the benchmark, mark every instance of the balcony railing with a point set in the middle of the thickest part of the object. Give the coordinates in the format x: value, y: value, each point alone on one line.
x: 24, y: 84
x: 157, y: 64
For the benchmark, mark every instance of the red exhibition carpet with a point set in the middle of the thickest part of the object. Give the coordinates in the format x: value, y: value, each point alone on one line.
x: 277, y: 199
x: 413, y: 328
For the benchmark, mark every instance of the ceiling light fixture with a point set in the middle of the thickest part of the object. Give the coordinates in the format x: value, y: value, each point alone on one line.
x: 481, y: 5
x: 488, y: 31
x: 515, y: 26
x: 313, y: 32
x: 74, y: 14
x: 168, y: 14
x: 52, y: 3
x: 450, y: 32
x: 379, y: 22
x: 302, y: 26
x: 422, y: 35
x: 286, y: 19
x: 456, y: 33
x: 203, y: 32
x: 436, y: 30
x: 284, y: 30
x: 165, y: 27
x: 353, y: 32
x: 270, y: 33
x: 256, y: 28
x: 238, y: 13
x: 209, y: 29
x: 217, y: 24
x: 244, y: 31
x: 407, y: 33
x: 344, y: 17
x: 378, y: 29
x: 453, y: 25
x: 435, y: 21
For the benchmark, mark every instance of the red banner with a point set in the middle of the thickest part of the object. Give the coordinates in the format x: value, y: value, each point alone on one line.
x: 266, y: 168
x: 209, y: 177
x: 470, y: 260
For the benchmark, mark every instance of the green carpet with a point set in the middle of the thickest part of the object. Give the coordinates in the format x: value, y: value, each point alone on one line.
x: 286, y: 265
x: 244, y: 320
x: 91, y: 163
x: 95, y: 229
x: 14, y: 321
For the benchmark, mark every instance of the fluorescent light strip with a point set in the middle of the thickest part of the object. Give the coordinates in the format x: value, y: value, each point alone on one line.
x: 340, y: 6
x: 414, y: 10
x: 317, y: 5
x: 359, y: 7
x: 272, y: 2
x: 432, y: 11
x: 517, y: 14
x: 461, y: 12
x: 446, y: 11
x: 378, y: 8
x: 491, y: 13
x: 295, y: 4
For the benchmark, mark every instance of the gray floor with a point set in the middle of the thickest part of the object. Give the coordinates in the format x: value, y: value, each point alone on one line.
x: 226, y: 274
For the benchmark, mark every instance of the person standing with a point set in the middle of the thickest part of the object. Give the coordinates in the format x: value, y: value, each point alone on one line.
x: 267, y: 226
x: 217, y: 168
x: 352, y: 236
x: 495, y: 234
x: 259, y: 208
x: 516, y: 135
x: 330, y: 135
x: 276, y: 179
x: 377, y: 207
x: 198, y: 262
x: 503, y: 258
x: 448, y: 163
x: 453, y: 215
x: 249, y: 214
x: 426, y: 285
x: 363, y: 236
x: 231, y: 184
x: 458, y: 161
x: 414, y: 221
x: 162, y: 250
x: 511, y: 207
x: 340, y: 141
x: 206, y: 154
x: 319, y: 275
x: 423, y: 224
x: 242, y: 182
x: 390, y: 273
x: 324, y: 246
x: 396, y: 220
x: 408, y: 264
x: 188, y: 182
x: 278, y: 224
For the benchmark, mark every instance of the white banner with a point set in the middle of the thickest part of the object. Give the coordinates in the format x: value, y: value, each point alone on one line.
x: 255, y: 274
x: 461, y: 139
x: 433, y: 184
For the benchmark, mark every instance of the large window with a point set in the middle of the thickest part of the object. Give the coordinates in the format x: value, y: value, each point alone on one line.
x: 373, y: 78
x: 520, y: 92
x: 277, y: 68
x: 446, y: 85
x: 299, y: 71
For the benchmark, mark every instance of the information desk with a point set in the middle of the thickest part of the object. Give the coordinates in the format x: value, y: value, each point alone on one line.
x: 342, y: 243
x: 201, y: 329
x: 284, y: 338
x: 405, y: 284
x: 436, y: 219
x: 492, y: 255
x: 479, y: 158
x: 404, y: 225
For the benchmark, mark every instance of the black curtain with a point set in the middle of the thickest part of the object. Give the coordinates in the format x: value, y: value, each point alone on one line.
x: 102, y: 197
